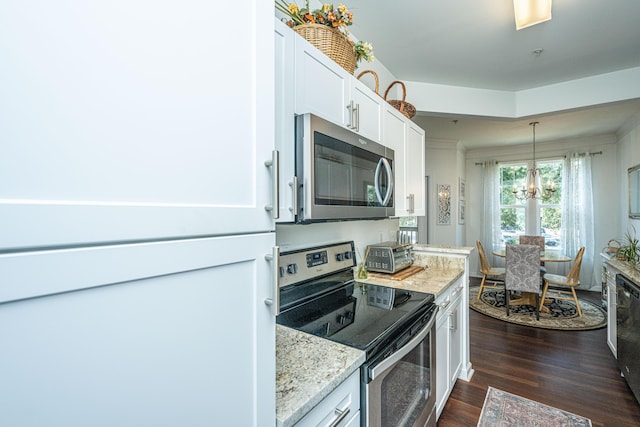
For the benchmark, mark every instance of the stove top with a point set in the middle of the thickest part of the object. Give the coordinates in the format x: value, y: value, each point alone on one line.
x: 335, y: 307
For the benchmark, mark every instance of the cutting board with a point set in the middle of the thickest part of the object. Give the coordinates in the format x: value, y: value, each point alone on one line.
x: 400, y: 275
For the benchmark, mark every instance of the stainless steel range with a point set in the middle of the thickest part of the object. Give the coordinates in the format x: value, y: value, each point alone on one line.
x: 395, y: 327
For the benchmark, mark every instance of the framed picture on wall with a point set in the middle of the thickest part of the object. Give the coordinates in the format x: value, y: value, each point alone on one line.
x: 461, y: 188
x: 461, y: 212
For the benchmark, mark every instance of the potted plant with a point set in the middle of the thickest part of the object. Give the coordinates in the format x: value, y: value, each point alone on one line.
x: 326, y: 29
x: 629, y: 250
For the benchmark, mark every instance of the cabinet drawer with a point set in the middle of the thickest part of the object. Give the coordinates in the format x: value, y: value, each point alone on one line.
x: 346, y: 397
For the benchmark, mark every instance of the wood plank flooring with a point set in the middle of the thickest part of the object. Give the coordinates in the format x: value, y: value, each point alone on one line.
x: 571, y: 370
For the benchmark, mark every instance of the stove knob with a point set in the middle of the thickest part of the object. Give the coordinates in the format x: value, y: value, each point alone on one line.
x: 292, y: 268
x: 341, y: 319
x: 348, y: 255
x: 340, y: 257
x: 349, y: 315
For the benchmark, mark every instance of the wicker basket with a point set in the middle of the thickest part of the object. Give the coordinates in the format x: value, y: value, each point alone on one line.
x: 403, y: 106
x: 375, y: 76
x: 331, y: 42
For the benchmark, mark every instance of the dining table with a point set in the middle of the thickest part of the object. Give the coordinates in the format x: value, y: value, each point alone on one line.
x: 529, y: 298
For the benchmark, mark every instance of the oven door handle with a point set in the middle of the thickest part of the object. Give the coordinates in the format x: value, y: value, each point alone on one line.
x: 399, y: 354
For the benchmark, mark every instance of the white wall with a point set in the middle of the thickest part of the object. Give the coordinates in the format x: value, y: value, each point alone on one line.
x: 605, y: 186
x: 363, y: 233
x: 628, y: 156
x: 441, y: 168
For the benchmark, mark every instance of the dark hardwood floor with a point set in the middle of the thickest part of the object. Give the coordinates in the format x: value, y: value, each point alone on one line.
x: 571, y: 370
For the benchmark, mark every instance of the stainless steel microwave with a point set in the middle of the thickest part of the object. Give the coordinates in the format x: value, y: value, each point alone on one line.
x: 340, y: 174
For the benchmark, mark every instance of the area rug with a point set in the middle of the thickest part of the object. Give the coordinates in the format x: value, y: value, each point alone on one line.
x: 502, y: 409
x: 563, y: 314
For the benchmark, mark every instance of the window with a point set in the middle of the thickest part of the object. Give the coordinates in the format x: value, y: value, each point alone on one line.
x: 537, y: 217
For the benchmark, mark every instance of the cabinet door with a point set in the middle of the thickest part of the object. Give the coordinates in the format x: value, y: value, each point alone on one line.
x: 285, y: 118
x: 321, y: 85
x: 415, y: 168
x: 394, y: 129
x: 116, y: 128
x: 612, y: 301
x: 455, y: 336
x: 442, y: 355
x: 369, y: 111
x: 158, y: 334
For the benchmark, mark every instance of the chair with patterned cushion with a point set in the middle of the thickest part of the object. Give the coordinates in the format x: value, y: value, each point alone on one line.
x: 489, y: 274
x: 522, y: 274
x: 535, y: 240
x: 565, y: 285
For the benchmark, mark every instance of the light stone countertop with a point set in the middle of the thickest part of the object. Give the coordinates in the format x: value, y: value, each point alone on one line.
x: 308, y: 368
x: 625, y: 269
x: 432, y: 280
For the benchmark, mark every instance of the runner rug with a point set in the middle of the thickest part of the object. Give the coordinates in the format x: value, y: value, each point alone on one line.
x: 502, y: 409
x: 562, y: 316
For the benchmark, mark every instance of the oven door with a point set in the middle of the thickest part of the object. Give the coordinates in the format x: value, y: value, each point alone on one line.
x: 400, y: 390
x: 343, y: 175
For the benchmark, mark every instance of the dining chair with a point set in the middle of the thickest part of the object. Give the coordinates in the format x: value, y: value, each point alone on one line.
x: 489, y: 274
x: 535, y: 240
x: 564, y: 285
x: 522, y: 274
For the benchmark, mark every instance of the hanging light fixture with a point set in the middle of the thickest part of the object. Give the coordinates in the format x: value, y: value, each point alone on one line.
x: 531, y: 12
x: 532, y: 187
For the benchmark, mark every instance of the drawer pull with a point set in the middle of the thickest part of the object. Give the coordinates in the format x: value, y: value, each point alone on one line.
x: 341, y: 416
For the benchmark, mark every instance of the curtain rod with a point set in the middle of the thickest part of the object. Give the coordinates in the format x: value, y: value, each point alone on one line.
x: 548, y: 158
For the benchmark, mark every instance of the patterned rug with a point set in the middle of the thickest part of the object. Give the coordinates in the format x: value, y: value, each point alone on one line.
x: 502, y: 409
x: 563, y: 315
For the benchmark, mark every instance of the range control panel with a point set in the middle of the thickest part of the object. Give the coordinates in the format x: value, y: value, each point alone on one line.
x: 305, y: 264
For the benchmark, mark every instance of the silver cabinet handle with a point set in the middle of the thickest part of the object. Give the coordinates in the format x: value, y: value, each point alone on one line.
x: 443, y: 306
x: 274, y: 301
x: 341, y: 416
x: 350, y: 107
x: 274, y: 164
x: 410, y: 203
x: 453, y: 320
x: 294, y: 200
x: 356, y: 110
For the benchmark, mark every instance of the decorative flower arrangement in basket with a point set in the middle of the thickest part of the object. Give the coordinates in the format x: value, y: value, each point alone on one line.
x: 326, y: 29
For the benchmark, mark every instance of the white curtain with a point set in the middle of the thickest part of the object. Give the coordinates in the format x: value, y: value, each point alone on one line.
x: 577, y: 214
x: 491, y: 234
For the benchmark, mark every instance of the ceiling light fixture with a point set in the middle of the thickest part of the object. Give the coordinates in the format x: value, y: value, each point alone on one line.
x: 531, y: 189
x: 531, y: 12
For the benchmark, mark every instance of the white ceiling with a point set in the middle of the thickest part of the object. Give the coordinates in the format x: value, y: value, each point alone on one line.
x: 474, y: 43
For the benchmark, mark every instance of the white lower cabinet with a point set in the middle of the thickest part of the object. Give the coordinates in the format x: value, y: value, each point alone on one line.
x: 341, y: 408
x: 448, y: 342
x: 612, y: 298
x: 155, y: 334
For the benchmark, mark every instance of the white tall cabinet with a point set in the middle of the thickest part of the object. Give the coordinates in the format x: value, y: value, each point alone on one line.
x: 136, y: 147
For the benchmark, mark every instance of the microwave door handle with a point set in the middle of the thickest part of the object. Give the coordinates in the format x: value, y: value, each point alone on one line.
x: 384, y: 201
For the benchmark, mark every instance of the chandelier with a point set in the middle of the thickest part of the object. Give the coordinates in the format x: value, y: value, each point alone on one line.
x: 532, y: 186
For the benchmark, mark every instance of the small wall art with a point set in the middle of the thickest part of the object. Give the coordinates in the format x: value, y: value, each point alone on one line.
x: 461, y: 188
x: 461, y: 211
x: 444, y: 204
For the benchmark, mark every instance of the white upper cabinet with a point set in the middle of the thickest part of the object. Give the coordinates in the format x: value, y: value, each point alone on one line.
x: 112, y: 131
x: 407, y: 140
x: 285, y: 119
x: 324, y: 88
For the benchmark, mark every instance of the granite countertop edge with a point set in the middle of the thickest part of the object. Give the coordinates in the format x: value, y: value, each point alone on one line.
x: 625, y: 269
x: 308, y: 368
